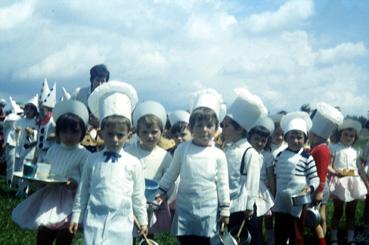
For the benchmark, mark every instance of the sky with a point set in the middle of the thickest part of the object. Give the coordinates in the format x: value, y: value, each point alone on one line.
x: 288, y: 53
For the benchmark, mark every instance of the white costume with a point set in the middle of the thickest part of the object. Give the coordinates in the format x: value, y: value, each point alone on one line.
x: 346, y: 188
x: 51, y: 205
x: 108, y: 195
x: 203, y: 188
x: 81, y: 94
x: 243, y: 184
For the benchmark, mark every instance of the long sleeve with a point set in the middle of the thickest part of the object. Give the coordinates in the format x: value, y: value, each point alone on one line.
x: 322, y: 158
x: 311, y: 173
x: 252, y: 169
x: 222, y: 186
x: 83, y: 193
x: 138, y: 195
x: 170, y: 176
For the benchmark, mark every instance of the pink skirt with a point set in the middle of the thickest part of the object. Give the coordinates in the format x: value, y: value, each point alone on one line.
x: 51, y: 206
x: 347, y: 188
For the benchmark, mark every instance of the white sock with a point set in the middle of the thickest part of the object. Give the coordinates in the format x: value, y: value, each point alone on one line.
x: 350, y: 235
x: 334, y: 235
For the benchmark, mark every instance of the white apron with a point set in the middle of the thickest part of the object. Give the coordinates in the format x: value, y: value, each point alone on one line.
x: 109, y: 216
x: 196, y: 209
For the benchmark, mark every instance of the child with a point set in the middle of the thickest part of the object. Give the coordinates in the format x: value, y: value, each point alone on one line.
x: 295, y: 173
x: 149, y: 118
x: 111, y: 190
x: 203, y: 187
x: 49, y: 208
x: 346, y: 185
x: 278, y: 144
x: 244, y: 162
x: 179, y: 131
x: 259, y: 137
x: 325, y: 121
x: 45, y: 122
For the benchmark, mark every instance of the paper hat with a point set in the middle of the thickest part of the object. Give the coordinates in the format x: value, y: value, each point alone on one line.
x: 149, y: 107
x: 351, y: 123
x: 33, y: 101
x: 2, y: 102
x: 211, y: 99
x: 12, y: 117
x: 44, y: 91
x: 265, y: 122
x: 297, y: 120
x: 66, y: 95
x: 15, y: 108
x: 246, y: 108
x: 179, y: 116
x: 325, y: 120
x: 113, y: 98
x: 71, y: 106
x: 50, y: 99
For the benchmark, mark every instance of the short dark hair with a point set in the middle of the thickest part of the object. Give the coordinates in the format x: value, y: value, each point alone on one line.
x: 178, y: 127
x: 236, y: 126
x: 72, y: 122
x: 149, y: 120
x: 99, y: 71
x: 260, y: 130
x: 203, y: 114
x: 116, y: 119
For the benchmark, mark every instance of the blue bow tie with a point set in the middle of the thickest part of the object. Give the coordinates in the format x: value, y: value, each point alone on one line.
x: 111, y: 155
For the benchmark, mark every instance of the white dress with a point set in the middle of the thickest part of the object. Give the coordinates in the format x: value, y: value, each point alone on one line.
x: 154, y: 164
x: 108, y: 196
x: 346, y: 188
x: 244, y: 178
x: 51, y: 205
x: 202, y: 191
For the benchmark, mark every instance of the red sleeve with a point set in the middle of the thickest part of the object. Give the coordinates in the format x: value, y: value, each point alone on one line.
x: 322, y: 158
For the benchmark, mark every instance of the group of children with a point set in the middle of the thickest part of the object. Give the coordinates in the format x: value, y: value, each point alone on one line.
x: 242, y: 178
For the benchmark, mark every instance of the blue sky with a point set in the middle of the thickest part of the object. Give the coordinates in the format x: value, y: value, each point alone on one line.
x: 287, y: 52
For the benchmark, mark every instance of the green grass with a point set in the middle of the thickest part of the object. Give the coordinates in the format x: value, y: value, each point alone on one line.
x: 10, y: 233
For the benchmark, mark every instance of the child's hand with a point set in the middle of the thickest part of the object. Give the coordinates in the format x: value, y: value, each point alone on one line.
x: 338, y: 173
x: 319, y: 196
x: 73, y: 228
x: 144, y: 230
x: 306, y: 189
x: 224, y: 220
x: 249, y: 214
x: 29, y: 131
x: 71, y: 184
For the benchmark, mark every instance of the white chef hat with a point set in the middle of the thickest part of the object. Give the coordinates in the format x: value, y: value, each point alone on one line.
x: 351, y: 123
x: 265, y: 122
x: 297, y: 120
x: 113, y: 98
x: 325, y: 120
x: 179, y: 116
x: 211, y: 99
x: 149, y: 107
x: 246, y: 108
x: 71, y: 106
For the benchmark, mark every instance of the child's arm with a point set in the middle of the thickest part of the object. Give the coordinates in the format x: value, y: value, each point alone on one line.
x: 253, y: 166
x: 311, y: 175
x: 138, y: 195
x: 170, y: 176
x: 223, y: 188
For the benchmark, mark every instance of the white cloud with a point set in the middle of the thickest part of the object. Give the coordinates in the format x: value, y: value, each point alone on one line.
x: 342, y: 52
x: 15, y: 14
x: 290, y: 13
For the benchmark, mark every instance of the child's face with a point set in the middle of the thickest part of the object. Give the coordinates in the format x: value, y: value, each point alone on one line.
x: 203, y: 132
x: 277, y: 136
x: 348, y: 136
x: 295, y: 140
x: 70, y: 137
x: 29, y: 111
x: 258, y: 142
x: 229, y: 132
x: 149, y: 136
x: 114, y: 136
x: 184, y: 135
